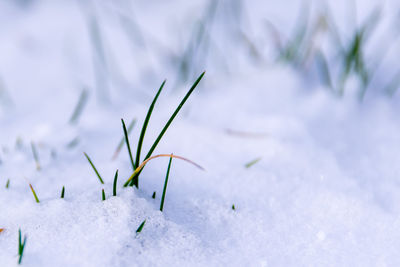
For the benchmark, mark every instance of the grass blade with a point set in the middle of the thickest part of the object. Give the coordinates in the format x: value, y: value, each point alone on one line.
x: 115, y: 184
x: 8, y: 183
x: 138, y: 169
x: 79, y: 107
x: 94, y: 168
x: 35, y: 156
x: 127, y: 143
x: 251, y: 163
x: 21, y: 246
x: 173, y: 116
x: 62, y: 192
x: 165, y: 184
x: 153, y: 147
x: 34, y: 194
x: 143, y: 131
x: 140, y: 228
x: 73, y: 143
x: 121, y: 143
x: 153, y: 196
x: 103, y: 195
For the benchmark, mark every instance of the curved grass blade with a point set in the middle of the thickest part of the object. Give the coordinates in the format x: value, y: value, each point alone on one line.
x: 165, y: 184
x: 127, y: 143
x: 138, y: 169
x: 143, y: 131
x: 153, y: 147
x: 94, y: 168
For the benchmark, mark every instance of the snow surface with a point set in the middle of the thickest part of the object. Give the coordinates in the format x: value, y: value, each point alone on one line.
x: 326, y: 191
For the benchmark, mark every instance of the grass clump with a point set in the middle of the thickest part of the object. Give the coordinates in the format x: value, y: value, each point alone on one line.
x: 134, y: 180
x: 94, y: 168
x: 21, y: 246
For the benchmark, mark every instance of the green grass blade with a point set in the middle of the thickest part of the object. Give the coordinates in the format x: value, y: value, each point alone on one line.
x: 127, y: 143
x: 115, y: 184
x: 103, y: 195
x: 140, y: 228
x: 21, y: 246
x: 165, y: 184
x: 19, y: 242
x: 94, y: 168
x: 153, y: 196
x: 62, y: 192
x: 34, y: 194
x: 251, y: 163
x: 121, y: 143
x: 143, y: 131
x: 8, y: 183
x: 173, y: 116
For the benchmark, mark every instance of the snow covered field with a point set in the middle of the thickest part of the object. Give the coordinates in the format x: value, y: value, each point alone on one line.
x: 324, y: 189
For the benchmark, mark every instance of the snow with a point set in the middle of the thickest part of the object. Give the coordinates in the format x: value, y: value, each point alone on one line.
x: 325, y: 192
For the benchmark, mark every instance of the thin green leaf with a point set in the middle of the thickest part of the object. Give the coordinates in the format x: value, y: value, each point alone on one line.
x: 140, y: 228
x: 143, y: 131
x: 103, y: 195
x: 121, y: 143
x: 115, y: 183
x: 94, y: 168
x: 62, y: 192
x: 34, y: 194
x: 127, y: 143
x: 251, y: 163
x: 165, y: 184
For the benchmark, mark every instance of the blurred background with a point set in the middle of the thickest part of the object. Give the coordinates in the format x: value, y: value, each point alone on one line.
x: 115, y: 49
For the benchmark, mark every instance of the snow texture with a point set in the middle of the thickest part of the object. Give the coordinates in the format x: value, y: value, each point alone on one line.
x: 325, y: 191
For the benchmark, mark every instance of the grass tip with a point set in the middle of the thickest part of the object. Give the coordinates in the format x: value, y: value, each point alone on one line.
x: 140, y: 228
